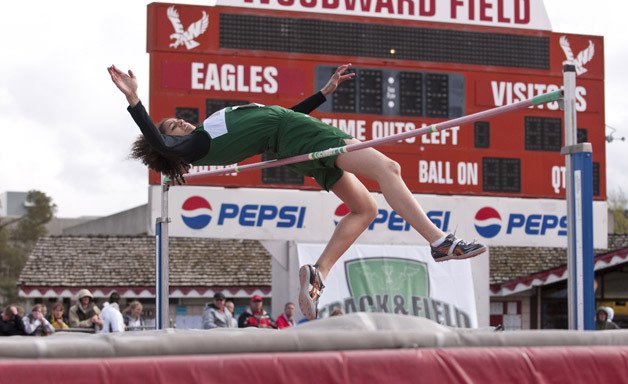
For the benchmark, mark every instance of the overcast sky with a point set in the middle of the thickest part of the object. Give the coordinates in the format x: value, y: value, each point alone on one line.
x: 65, y: 130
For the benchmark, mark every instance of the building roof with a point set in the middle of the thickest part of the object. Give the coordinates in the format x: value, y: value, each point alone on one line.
x: 65, y: 264
x: 516, y: 269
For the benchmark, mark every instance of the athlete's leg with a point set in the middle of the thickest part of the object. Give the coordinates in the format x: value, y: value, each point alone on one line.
x: 374, y: 165
x: 363, y: 210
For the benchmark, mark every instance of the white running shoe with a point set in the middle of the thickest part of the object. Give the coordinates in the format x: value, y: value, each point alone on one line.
x: 311, y: 289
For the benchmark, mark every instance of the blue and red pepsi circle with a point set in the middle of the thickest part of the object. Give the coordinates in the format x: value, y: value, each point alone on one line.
x: 488, y: 222
x: 196, y: 212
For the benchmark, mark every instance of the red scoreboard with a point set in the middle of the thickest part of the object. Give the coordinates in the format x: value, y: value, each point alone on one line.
x: 410, y: 73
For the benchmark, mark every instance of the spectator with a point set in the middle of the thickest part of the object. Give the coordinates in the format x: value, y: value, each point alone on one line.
x: 230, y: 305
x: 85, y: 314
x: 35, y: 324
x: 11, y: 323
x: 611, y: 314
x: 216, y: 315
x: 133, y: 317
x: 111, y: 316
x: 255, y: 315
x: 57, y: 319
x: 336, y: 311
x: 601, y: 320
x: 286, y: 319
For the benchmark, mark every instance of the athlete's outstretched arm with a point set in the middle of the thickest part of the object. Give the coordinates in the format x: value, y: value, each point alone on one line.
x: 311, y: 103
x: 126, y: 83
x: 188, y: 147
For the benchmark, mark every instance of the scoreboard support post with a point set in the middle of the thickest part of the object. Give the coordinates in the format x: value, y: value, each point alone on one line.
x: 579, y: 194
x: 162, y: 288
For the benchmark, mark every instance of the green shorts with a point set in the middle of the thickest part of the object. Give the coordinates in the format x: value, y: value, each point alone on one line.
x: 298, y: 134
x: 284, y: 133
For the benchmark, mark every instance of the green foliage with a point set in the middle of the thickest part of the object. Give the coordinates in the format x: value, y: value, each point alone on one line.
x: 617, y: 204
x: 17, y: 239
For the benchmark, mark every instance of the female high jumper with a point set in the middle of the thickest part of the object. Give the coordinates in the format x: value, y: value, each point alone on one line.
x: 236, y: 133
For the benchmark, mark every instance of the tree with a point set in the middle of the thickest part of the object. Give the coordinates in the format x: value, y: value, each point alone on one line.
x: 617, y: 204
x: 17, y: 239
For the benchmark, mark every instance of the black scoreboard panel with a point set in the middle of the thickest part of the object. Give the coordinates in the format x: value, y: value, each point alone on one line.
x: 543, y: 133
x: 213, y: 105
x: 311, y: 36
x: 396, y: 93
x: 411, y: 94
x: 279, y: 175
x: 501, y: 174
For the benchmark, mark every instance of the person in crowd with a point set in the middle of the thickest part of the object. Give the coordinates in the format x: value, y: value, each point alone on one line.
x: 57, y: 319
x: 111, y: 316
x: 601, y: 320
x: 234, y: 134
x: 133, y: 318
x: 611, y: 315
x: 230, y: 305
x: 336, y: 311
x: 286, y: 319
x: 255, y: 315
x: 216, y: 315
x: 44, y: 311
x: 11, y: 323
x: 85, y: 314
x: 35, y: 324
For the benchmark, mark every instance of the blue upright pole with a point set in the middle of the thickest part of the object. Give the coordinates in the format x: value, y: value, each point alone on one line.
x: 579, y: 193
x: 162, y: 287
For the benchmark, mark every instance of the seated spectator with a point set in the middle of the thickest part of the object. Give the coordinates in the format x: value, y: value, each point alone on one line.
x: 601, y: 320
x: 216, y: 315
x: 111, y: 316
x: 286, y: 319
x: 255, y: 315
x: 133, y: 317
x: 11, y: 323
x: 230, y: 305
x: 57, y: 319
x: 336, y: 311
x: 44, y: 311
x: 35, y: 324
x: 85, y: 314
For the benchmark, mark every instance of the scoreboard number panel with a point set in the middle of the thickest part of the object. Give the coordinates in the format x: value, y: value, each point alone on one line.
x: 387, y: 92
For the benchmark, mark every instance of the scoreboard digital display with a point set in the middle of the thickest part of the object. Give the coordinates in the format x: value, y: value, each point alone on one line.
x: 395, y: 93
x: 409, y: 74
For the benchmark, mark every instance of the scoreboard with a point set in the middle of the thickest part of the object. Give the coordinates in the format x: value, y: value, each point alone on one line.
x: 409, y: 74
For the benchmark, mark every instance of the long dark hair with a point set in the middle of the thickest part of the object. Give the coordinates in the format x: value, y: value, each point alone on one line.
x: 171, y: 166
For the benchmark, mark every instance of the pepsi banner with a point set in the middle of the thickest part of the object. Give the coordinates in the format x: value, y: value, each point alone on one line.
x: 397, y: 279
x: 311, y: 216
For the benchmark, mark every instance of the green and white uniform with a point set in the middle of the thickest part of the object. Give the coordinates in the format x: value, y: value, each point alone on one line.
x: 241, y: 132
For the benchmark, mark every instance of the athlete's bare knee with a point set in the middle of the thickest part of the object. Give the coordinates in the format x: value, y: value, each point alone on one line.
x: 367, y: 209
x: 391, y: 168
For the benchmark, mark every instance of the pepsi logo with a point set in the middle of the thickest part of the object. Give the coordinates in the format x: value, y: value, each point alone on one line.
x: 488, y: 222
x: 196, y: 212
x: 341, y: 211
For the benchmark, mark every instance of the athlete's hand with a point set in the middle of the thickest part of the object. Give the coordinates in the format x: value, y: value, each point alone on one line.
x: 337, y: 78
x: 126, y: 83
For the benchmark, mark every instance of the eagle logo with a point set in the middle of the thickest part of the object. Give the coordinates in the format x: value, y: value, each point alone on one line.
x: 583, y: 57
x: 182, y: 37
